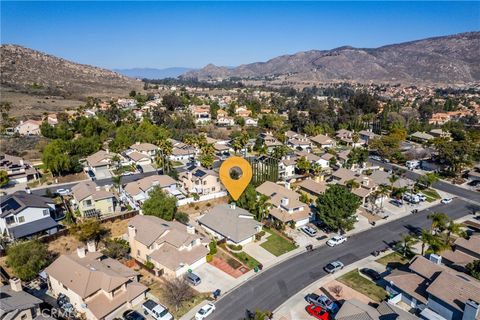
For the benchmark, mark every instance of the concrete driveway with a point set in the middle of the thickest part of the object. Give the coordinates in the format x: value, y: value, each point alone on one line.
x: 260, y: 254
x: 213, y: 279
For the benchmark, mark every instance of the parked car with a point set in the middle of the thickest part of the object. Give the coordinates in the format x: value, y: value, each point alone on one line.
x: 396, y: 202
x: 474, y: 183
x: 322, y: 301
x: 317, y: 312
x: 205, y: 311
x: 193, y: 278
x: 372, y: 274
x: 63, y: 192
x: 157, y: 311
x: 421, y: 196
x: 334, y: 266
x: 412, y: 198
x: 376, y: 158
x: 132, y: 315
x: 336, y: 240
x: 446, y: 200
x: 309, y: 231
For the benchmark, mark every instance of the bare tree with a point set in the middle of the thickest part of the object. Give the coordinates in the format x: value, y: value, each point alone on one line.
x: 177, y: 291
x: 337, y: 290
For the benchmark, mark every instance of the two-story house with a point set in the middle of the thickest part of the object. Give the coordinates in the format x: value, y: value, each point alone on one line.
x: 99, y: 163
x: 147, y: 149
x: 269, y: 141
x: 201, y: 114
x: 95, y: 285
x: 182, y: 151
x: 286, y: 206
x: 24, y: 215
x: 92, y: 200
x: 360, y: 185
x: 137, y: 191
x: 243, y: 112
x: 173, y: 248
x: 17, y: 169
x: 29, y: 128
x: 200, y: 181
x: 16, y: 304
x: 323, y: 141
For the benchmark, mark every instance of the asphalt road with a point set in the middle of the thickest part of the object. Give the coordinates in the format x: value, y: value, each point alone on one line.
x: 272, y: 287
x: 440, y: 185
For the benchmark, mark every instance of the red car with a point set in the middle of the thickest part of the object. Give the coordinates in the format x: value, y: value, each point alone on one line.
x: 317, y: 312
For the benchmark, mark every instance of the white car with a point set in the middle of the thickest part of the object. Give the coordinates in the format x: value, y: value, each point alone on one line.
x: 446, y: 200
x: 309, y: 230
x: 336, y: 240
x: 63, y: 192
x: 205, y: 311
x: 422, y: 197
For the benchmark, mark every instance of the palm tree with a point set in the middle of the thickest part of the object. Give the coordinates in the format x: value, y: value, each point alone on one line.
x: 208, y: 149
x: 393, y: 178
x: 383, y: 191
x: 454, y: 228
x: 316, y: 169
x: 437, y: 244
x: 439, y: 221
x: 426, y: 238
x: 406, y: 244
x: 116, y: 161
x: 117, y: 182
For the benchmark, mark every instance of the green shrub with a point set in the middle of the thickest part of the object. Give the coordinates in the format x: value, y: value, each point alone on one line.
x: 209, y: 258
x: 149, y: 265
x: 213, y: 247
x: 235, y: 247
x: 259, y: 235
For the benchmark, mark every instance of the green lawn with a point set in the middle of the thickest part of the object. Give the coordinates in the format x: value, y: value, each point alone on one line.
x: 431, y: 195
x: 277, y: 245
x: 177, y: 163
x: 393, y: 260
x: 246, y: 259
x: 355, y: 281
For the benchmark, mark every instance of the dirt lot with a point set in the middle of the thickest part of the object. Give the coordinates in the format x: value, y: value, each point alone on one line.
x: 27, y: 147
x: 196, y: 208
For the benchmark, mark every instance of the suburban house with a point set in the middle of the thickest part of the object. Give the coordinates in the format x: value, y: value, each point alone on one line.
x: 313, y: 158
x: 464, y: 251
x: 200, y: 181
x: 354, y: 309
x: 16, y: 304
x: 147, y: 149
x: 323, y: 141
x: 235, y: 225
x: 421, y: 136
x: 438, y: 291
x: 92, y: 200
x: 174, y: 248
x: 138, y: 159
x: 345, y: 136
x: 201, y: 113
x: 269, y: 141
x: 52, y: 119
x: 18, y: 170
x: 24, y: 215
x: 440, y: 133
x: 301, y: 143
x: 181, y: 151
x: 286, y: 167
x: 137, y: 191
x: 366, y: 186
x: 286, y: 206
x: 29, y: 128
x: 243, y: 112
x: 250, y: 122
x: 381, y: 177
x: 226, y: 121
x: 312, y: 187
x: 95, y: 285
x: 342, y: 157
x: 221, y: 114
x: 367, y: 135
x: 99, y: 163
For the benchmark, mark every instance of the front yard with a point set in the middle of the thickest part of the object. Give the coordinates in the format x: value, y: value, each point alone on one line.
x: 431, y: 195
x: 246, y: 259
x: 393, y: 260
x: 355, y: 281
x: 277, y: 244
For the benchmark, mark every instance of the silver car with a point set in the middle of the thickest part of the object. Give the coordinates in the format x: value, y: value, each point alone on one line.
x: 333, y: 267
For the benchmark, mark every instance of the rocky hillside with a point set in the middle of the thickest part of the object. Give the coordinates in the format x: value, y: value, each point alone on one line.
x: 33, y: 72
x: 441, y: 60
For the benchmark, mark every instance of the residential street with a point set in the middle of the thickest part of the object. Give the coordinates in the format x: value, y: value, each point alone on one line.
x: 272, y: 287
x: 440, y: 185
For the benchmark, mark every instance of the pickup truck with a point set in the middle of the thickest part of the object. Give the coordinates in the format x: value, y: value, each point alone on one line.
x: 157, y: 311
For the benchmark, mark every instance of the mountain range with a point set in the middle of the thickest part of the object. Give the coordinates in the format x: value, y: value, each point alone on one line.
x: 447, y: 60
x: 152, y: 73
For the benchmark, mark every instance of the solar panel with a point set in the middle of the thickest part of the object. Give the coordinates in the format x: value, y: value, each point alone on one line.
x: 10, y: 204
x: 199, y: 173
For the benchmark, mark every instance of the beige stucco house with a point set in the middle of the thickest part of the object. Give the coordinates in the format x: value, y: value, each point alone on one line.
x: 200, y: 181
x: 93, y: 200
x: 173, y: 248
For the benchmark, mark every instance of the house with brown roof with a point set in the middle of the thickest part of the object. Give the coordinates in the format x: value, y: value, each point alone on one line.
x: 17, y: 169
x: 269, y: 141
x: 147, y: 149
x: 323, y: 141
x: 227, y: 221
x: 367, y: 135
x: 354, y: 309
x: 286, y: 206
x: 182, y: 151
x: 16, y: 304
x: 93, y: 200
x: 436, y: 290
x: 365, y: 188
x: 96, y: 286
x: 174, y: 248
x: 243, y: 112
x: 312, y: 187
x: 100, y: 163
x: 201, y: 113
x: 463, y: 252
x: 137, y: 191
x: 29, y: 128
x: 200, y: 181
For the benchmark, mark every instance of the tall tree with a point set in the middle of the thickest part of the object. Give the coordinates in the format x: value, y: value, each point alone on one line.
x: 28, y: 258
x: 3, y: 178
x: 160, y: 204
x: 337, y: 207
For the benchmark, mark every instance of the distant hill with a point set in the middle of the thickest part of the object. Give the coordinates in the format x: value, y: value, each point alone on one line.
x: 152, y: 73
x: 441, y: 60
x: 33, y: 72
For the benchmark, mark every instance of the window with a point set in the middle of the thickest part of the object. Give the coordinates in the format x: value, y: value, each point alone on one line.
x: 87, y: 203
x: 213, y: 189
x: 10, y: 220
x: 46, y: 212
x: 21, y: 219
x: 110, y: 209
x: 138, y: 253
x: 204, y: 183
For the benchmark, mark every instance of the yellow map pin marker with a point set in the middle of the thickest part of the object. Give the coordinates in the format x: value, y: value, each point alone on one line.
x: 235, y: 174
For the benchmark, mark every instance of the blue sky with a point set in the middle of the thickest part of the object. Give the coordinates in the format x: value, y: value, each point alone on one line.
x: 193, y: 34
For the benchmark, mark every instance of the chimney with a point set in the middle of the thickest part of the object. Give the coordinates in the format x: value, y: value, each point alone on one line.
x: 435, y: 258
x: 81, y: 252
x: 137, y: 143
x: 287, y: 185
x: 471, y: 310
x: 190, y: 229
x: 22, y: 163
x: 91, y: 246
x: 16, y: 284
x: 366, y: 181
x: 284, y: 201
x: 132, y: 232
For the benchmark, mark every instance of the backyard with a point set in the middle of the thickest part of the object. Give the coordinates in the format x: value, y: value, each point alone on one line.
x: 277, y: 244
x: 354, y: 280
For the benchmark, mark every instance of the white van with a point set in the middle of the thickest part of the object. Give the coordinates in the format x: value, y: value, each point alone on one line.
x: 412, y: 198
